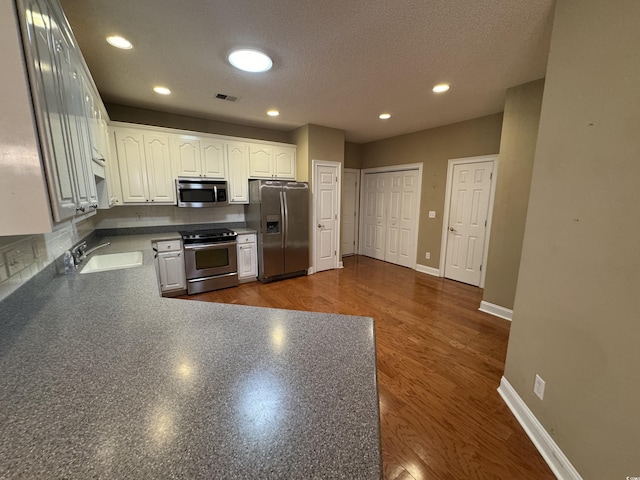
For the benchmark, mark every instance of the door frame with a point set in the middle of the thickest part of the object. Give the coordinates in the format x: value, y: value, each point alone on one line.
x: 313, y: 230
x: 393, y: 168
x: 356, y: 221
x: 447, y: 204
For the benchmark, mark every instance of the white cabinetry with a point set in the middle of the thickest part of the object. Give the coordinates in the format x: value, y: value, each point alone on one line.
x: 170, y: 267
x: 151, y: 158
x: 62, y: 91
x: 199, y: 157
x: 267, y: 161
x: 145, y: 168
x: 238, y: 172
x: 247, y: 257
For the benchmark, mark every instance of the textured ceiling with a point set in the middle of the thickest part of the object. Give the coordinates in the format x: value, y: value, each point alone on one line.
x: 336, y: 63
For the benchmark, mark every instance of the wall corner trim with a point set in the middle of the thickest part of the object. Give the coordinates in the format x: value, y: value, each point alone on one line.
x: 428, y: 270
x: 550, y: 451
x: 496, y: 310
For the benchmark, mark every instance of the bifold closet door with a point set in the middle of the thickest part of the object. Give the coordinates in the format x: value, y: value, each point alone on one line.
x: 390, y: 216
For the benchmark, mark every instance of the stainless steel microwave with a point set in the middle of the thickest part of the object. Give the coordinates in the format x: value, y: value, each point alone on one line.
x: 200, y: 193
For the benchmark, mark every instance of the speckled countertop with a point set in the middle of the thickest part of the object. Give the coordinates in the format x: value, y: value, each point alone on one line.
x: 103, y: 378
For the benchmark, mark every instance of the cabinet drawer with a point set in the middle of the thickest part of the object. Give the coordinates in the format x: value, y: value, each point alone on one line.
x: 246, y: 238
x: 169, y: 246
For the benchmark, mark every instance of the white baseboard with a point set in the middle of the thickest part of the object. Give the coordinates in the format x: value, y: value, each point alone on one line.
x: 310, y: 271
x: 428, y: 270
x: 550, y: 451
x: 496, y: 310
x: 340, y: 264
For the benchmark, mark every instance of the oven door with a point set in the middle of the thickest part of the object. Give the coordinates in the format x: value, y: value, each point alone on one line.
x: 207, y: 260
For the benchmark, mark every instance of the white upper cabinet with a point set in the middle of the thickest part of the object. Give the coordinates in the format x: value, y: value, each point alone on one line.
x: 238, y: 172
x: 63, y: 96
x: 159, y: 172
x: 267, y: 161
x: 144, y: 162
x: 198, y: 157
x: 284, y: 162
x: 151, y: 158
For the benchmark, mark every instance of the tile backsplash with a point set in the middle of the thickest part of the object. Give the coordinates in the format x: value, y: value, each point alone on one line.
x: 153, y: 215
x: 22, y: 257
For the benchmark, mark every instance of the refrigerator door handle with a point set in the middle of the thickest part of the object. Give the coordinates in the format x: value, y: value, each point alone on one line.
x: 286, y: 219
x: 282, y: 219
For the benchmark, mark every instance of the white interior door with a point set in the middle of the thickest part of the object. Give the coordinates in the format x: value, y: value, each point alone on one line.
x: 408, y: 219
x: 325, y: 186
x: 392, y: 199
x: 390, y: 216
x: 468, y: 212
x: 349, y: 217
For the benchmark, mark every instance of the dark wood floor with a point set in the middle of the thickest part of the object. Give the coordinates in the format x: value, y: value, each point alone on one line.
x: 440, y: 361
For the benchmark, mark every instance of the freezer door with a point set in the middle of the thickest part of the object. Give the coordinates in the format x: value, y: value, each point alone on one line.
x: 271, y: 229
x: 296, y: 240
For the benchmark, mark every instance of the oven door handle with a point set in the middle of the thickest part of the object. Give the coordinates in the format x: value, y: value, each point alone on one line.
x: 208, y: 246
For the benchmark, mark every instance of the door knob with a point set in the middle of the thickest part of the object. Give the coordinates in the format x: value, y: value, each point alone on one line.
x: 452, y: 229
x: 320, y: 226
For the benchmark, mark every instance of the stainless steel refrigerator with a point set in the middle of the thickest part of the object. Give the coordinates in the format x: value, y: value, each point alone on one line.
x: 279, y: 211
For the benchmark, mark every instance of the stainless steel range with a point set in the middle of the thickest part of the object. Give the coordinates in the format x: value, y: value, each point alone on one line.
x: 210, y: 259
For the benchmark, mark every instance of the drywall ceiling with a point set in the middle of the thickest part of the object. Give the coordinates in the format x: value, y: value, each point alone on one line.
x: 336, y: 63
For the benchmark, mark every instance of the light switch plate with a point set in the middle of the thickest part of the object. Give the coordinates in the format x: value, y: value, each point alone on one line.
x: 432, y: 214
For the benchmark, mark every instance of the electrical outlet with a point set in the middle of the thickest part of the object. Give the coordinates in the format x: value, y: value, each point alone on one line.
x: 432, y: 214
x: 538, y: 387
x: 427, y: 255
x: 138, y: 216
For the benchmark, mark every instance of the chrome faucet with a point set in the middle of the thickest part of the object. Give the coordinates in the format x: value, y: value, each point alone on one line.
x: 79, y: 253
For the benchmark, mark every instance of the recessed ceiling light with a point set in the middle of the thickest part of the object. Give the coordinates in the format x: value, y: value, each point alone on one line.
x: 384, y: 116
x: 273, y: 113
x: 162, y: 90
x: 250, y: 60
x: 119, y: 42
x: 441, y: 87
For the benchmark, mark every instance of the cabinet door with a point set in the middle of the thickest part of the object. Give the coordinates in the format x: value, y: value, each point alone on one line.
x: 171, y: 270
x: 284, y: 162
x: 186, y: 154
x: 131, y: 163
x: 114, y: 186
x: 159, y: 171
x: 260, y: 161
x: 212, y: 154
x: 238, y: 172
x: 78, y: 134
x: 48, y: 50
x: 247, y: 261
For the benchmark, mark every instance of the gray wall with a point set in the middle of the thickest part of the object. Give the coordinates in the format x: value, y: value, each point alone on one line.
x: 577, y: 307
x: 433, y: 148
x: 123, y: 113
x: 517, y: 149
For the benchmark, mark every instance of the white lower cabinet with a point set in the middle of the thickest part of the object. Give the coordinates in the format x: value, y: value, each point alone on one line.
x: 170, y: 267
x: 247, y: 257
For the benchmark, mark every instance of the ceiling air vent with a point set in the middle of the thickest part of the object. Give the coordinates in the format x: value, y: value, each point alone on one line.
x: 228, y: 98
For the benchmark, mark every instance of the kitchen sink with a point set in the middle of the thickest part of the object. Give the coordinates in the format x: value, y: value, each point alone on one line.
x: 112, y: 261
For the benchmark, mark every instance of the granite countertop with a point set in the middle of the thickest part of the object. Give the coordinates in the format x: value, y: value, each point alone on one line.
x: 103, y: 378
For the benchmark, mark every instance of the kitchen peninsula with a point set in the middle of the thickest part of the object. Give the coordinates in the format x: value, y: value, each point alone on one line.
x: 103, y: 378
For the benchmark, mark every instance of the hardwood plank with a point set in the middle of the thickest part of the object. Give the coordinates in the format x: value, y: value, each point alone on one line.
x: 440, y: 361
